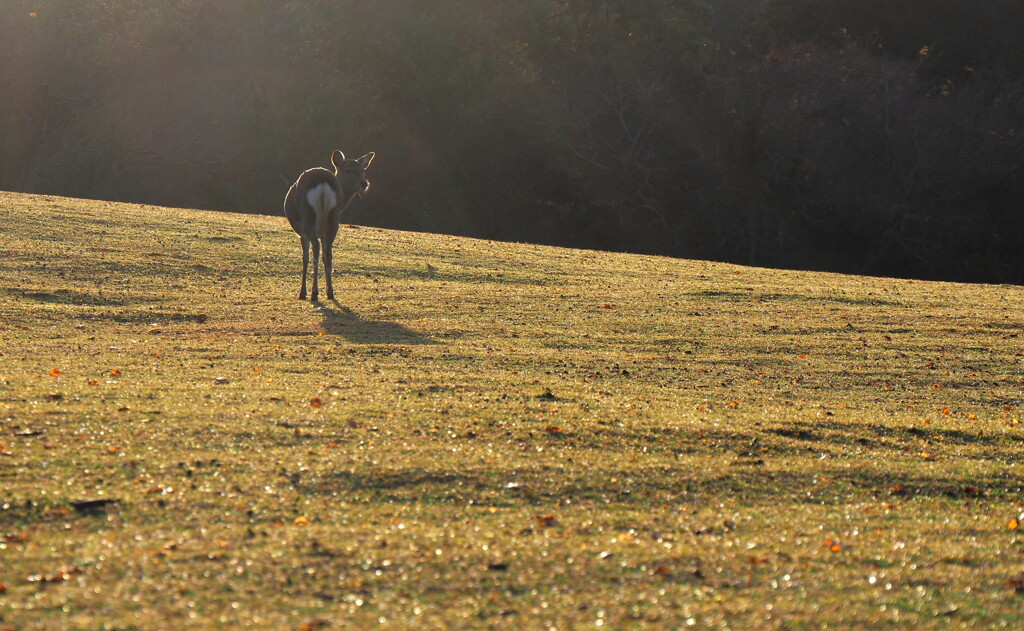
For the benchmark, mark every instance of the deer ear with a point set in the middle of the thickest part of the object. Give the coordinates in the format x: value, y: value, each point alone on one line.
x: 366, y: 160
x: 337, y: 157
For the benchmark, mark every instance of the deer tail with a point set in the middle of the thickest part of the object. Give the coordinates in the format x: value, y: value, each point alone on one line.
x: 322, y: 199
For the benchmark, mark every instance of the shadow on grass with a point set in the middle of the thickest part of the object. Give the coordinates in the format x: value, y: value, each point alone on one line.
x: 469, y: 274
x: 657, y: 486
x: 741, y: 296
x: 342, y: 321
x: 69, y: 297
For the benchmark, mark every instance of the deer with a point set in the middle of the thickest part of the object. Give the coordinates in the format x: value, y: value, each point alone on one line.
x: 313, y: 206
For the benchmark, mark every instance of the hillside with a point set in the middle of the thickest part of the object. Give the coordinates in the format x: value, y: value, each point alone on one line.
x: 482, y: 434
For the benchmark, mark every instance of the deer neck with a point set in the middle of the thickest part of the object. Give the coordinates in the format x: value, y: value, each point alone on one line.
x: 347, y: 196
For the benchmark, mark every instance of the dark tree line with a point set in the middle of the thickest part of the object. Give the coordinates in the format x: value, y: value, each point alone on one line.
x: 870, y: 137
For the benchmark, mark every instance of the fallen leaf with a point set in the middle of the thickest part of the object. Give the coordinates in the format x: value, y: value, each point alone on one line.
x: 548, y: 521
x: 60, y: 576
x: 56, y: 372
x: 115, y: 373
x: 316, y: 402
x: 302, y: 521
x: 92, y: 506
x: 165, y: 550
x: 547, y: 395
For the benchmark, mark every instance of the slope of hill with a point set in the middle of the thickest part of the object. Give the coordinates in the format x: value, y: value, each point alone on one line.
x: 479, y: 434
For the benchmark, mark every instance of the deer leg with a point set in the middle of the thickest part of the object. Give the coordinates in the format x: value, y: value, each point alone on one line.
x: 305, y: 264
x: 315, y: 294
x: 329, y: 265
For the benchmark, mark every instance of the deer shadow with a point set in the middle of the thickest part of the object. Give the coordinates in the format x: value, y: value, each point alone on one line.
x: 342, y: 321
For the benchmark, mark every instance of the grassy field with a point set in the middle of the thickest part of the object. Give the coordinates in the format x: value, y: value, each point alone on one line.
x: 488, y: 435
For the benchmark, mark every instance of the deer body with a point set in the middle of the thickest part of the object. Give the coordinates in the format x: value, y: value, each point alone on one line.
x: 314, y: 205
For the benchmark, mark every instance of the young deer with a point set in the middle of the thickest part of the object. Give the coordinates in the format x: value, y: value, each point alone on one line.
x: 314, y: 205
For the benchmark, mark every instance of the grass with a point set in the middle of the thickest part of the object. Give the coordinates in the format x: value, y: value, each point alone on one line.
x: 489, y: 435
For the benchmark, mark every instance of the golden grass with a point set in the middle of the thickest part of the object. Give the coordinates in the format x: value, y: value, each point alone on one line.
x: 480, y: 435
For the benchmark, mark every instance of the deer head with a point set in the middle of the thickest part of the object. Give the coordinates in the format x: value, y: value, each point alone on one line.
x: 351, y: 174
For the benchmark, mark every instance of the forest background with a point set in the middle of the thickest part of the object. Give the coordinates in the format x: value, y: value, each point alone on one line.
x: 869, y: 136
